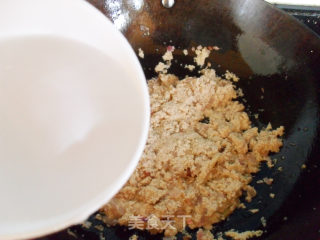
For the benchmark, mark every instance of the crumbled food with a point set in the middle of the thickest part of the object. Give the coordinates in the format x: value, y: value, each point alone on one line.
x: 167, y: 56
x: 240, y: 92
x: 87, y: 224
x: 134, y: 237
x: 263, y: 221
x: 304, y: 166
x: 199, y: 158
x: 219, y: 236
x: 185, y: 52
x: 269, y: 126
x: 202, y: 53
x: 162, y: 67
x: 270, y: 163
x: 72, y: 233
x: 251, y: 192
x: 241, y: 205
x: 254, y: 210
x: 244, y: 235
x: 231, y: 76
x: 213, y: 48
x: 145, y: 30
x: 204, y: 235
x: 101, y: 236
x: 190, y: 67
x: 99, y: 228
x: 170, y: 238
x: 140, y: 53
x: 280, y: 169
x: 272, y: 195
x: 186, y: 235
x: 268, y: 181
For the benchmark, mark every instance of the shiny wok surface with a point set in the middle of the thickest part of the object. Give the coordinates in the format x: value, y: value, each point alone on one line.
x: 267, y: 49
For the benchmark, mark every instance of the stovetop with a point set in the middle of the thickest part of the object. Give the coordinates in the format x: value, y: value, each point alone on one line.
x: 296, y: 2
x: 310, y: 16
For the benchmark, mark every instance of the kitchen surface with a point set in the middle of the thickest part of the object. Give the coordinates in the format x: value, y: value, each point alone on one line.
x: 297, y: 2
x: 308, y: 15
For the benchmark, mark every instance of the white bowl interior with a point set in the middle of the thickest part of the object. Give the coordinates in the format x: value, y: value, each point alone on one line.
x: 71, y: 132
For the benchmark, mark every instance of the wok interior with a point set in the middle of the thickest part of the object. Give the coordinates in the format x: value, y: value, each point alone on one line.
x: 267, y: 49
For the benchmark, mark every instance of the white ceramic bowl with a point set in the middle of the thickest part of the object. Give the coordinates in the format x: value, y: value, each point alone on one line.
x: 74, y: 114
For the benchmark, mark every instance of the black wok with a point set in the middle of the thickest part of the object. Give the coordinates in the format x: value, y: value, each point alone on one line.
x: 267, y: 49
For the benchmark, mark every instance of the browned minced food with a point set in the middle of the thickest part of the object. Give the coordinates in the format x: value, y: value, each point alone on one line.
x: 255, y: 210
x: 204, y: 235
x: 134, y: 237
x: 189, y: 166
x: 263, y: 221
x: 244, y: 235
